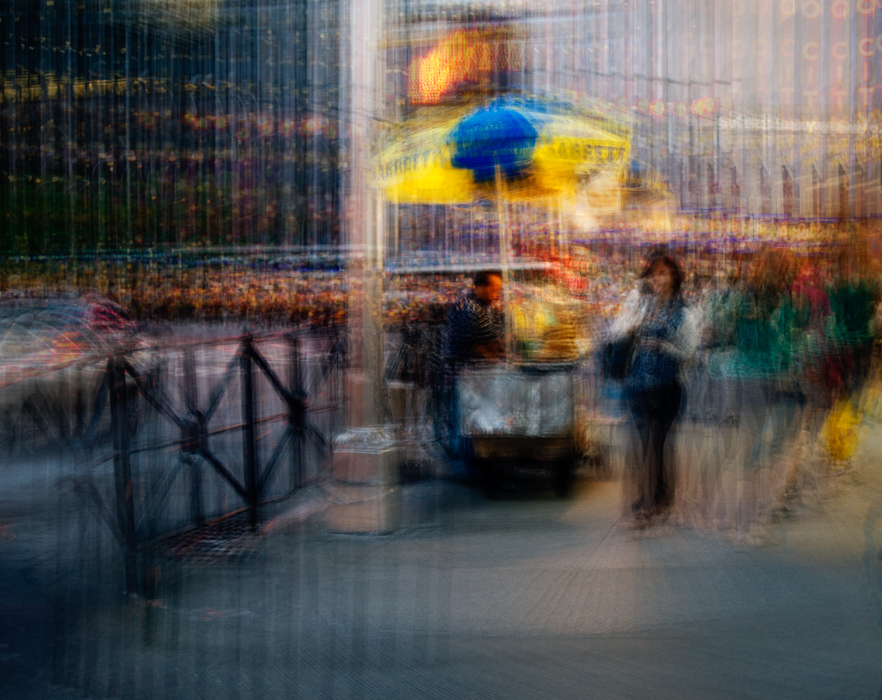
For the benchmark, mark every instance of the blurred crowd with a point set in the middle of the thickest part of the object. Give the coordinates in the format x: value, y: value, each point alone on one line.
x: 268, y: 298
x: 261, y: 297
x: 779, y: 384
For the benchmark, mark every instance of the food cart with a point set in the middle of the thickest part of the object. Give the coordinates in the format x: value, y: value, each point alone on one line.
x: 521, y: 155
x: 520, y: 414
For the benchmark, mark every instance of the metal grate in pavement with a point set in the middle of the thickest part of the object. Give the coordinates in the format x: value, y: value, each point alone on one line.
x: 228, y: 538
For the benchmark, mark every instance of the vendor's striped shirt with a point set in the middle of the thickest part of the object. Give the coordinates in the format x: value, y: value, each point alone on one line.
x: 470, y: 323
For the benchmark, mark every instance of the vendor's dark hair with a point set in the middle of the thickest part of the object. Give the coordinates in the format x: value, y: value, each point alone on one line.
x: 668, y: 261
x: 482, y: 278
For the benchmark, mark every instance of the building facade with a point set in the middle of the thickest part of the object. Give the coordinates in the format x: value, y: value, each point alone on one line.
x: 145, y: 124
x: 752, y: 107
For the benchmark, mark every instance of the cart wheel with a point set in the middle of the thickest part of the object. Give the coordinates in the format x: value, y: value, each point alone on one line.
x: 488, y: 476
x: 563, y: 477
x: 604, y: 467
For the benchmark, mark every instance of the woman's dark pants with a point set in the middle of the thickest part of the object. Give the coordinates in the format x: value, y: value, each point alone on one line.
x: 654, y: 411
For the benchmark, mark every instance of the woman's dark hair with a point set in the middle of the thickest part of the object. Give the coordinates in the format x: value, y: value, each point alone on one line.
x: 664, y: 260
x: 482, y: 278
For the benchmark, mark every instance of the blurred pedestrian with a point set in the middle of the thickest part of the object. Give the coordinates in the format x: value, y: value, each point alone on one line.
x: 665, y: 337
x: 854, y: 296
x: 769, y: 403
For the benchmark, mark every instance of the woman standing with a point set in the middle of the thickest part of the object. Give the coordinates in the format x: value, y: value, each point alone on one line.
x: 666, y: 337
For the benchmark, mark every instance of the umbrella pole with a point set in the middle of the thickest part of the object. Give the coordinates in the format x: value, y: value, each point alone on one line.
x: 502, y: 216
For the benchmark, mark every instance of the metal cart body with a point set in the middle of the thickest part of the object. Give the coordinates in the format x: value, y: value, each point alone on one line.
x: 519, y: 415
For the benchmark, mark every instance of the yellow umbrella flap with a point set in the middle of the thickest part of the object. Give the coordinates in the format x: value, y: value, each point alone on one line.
x: 570, y: 149
x: 417, y: 166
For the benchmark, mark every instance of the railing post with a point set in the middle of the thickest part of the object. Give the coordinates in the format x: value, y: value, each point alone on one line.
x: 296, y: 409
x: 79, y: 408
x: 122, y: 470
x: 340, y: 360
x: 191, y: 398
x: 249, y: 443
x: 196, y: 508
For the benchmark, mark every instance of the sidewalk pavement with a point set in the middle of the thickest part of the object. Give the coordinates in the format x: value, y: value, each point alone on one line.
x: 527, y: 596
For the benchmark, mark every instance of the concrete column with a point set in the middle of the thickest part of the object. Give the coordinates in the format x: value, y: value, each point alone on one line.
x: 364, y: 68
x: 363, y: 489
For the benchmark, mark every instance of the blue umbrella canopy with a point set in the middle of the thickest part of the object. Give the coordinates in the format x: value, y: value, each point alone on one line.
x: 540, y: 148
x: 498, y: 135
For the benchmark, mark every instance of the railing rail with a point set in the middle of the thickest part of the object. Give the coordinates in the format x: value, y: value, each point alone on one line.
x: 277, y: 413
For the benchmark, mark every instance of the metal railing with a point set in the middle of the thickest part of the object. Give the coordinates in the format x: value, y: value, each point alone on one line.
x: 272, y: 396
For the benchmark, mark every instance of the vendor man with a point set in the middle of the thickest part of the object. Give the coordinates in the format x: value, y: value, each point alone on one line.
x: 475, y: 328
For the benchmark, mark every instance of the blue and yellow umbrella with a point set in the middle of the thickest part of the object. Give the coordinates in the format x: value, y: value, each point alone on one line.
x: 519, y: 148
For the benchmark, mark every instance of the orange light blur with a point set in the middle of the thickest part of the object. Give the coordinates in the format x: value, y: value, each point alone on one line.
x: 465, y: 56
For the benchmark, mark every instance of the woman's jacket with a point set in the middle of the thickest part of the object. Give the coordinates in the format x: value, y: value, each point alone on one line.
x: 666, y: 339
